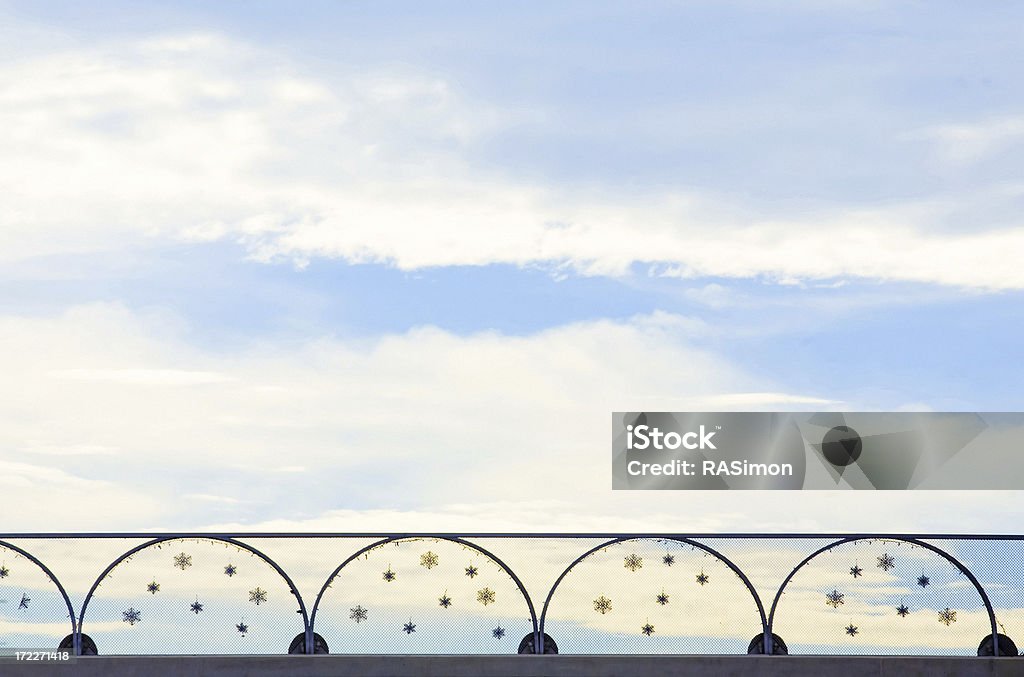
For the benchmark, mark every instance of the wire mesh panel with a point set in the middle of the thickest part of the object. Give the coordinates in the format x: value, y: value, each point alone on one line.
x: 33, y: 613
x: 652, y: 596
x: 422, y: 596
x: 878, y: 597
x: 999, y: 567
x: 192, y: 596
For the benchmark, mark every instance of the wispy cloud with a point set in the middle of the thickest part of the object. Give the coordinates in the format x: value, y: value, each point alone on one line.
x: 212, y: 498
x: 156, y: 377
x: 70, y: 449
x: 735, y: 400
x: 203, y: 138
x: 421, y: 417
x: 967, y: 143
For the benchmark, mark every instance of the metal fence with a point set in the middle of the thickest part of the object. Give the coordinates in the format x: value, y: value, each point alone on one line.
x: 489, y: 593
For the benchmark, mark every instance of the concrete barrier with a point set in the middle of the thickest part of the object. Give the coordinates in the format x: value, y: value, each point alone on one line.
x: 519, y: 666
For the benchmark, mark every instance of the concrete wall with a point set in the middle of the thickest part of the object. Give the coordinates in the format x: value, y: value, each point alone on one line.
x: 518, y: 666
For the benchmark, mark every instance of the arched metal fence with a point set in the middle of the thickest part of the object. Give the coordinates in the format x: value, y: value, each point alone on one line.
x: 224, y: 593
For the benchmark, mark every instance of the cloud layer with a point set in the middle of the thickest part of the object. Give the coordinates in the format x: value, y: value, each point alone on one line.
x: 131, y: 414
x: 111, y: 419
x: 199, y: 137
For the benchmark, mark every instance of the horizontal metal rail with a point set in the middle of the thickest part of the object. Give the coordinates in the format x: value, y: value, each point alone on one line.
x: 506, y: 534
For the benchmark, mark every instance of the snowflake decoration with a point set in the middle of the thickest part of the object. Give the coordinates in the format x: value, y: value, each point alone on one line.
x: 856, y: 571
x: 183, y: 561
x: 471, y: 571
x: 834, y: 599
x: 153, y: 587
x: 409, y: 627
x: 132, y: 616
x: 647, y: 629
x: 242, y: 628
x: 389, y: 575
x: 257, y: 596
x: 498, y: 632
x: 357, y: 613
x: 428, y: 560
x: 923, y: 581
x: 947, y: 616
x: 196, y: 607
x: 602, y: 605
x: 703, y: 578
x: 444, y: 600
x: 669, y: 560
x: 25, y: 599
x: 662, y: 598
x: 886, y: 562
x: 902, y: 610
x: 4, y: 571
x: 851, y: 630
x: 485, y: 596
x: 230, y: 570
x: 633, y: 562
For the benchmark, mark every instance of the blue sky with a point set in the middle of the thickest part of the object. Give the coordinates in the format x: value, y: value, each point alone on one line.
x: 367, y: 253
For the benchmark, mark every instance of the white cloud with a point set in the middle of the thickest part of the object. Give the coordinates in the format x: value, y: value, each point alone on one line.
x: 49, y: 496
x: 424, y: 418
x: 200, y: 138
x: 737, y: 400
x: 423, y: 430
x: 211, y: 498
x: 69, y: 449
x: 141, y: 376
x: 968, y: 143
x: 712, y: 295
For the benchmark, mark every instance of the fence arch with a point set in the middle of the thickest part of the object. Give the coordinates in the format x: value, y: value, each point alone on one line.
x: 53, y: 578
x: 451, y: 539
x: 166, y: 539
x: 677, y: 539
x: 913, y: 541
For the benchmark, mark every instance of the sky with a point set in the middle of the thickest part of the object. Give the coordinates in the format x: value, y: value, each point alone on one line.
x: 390, y: 266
